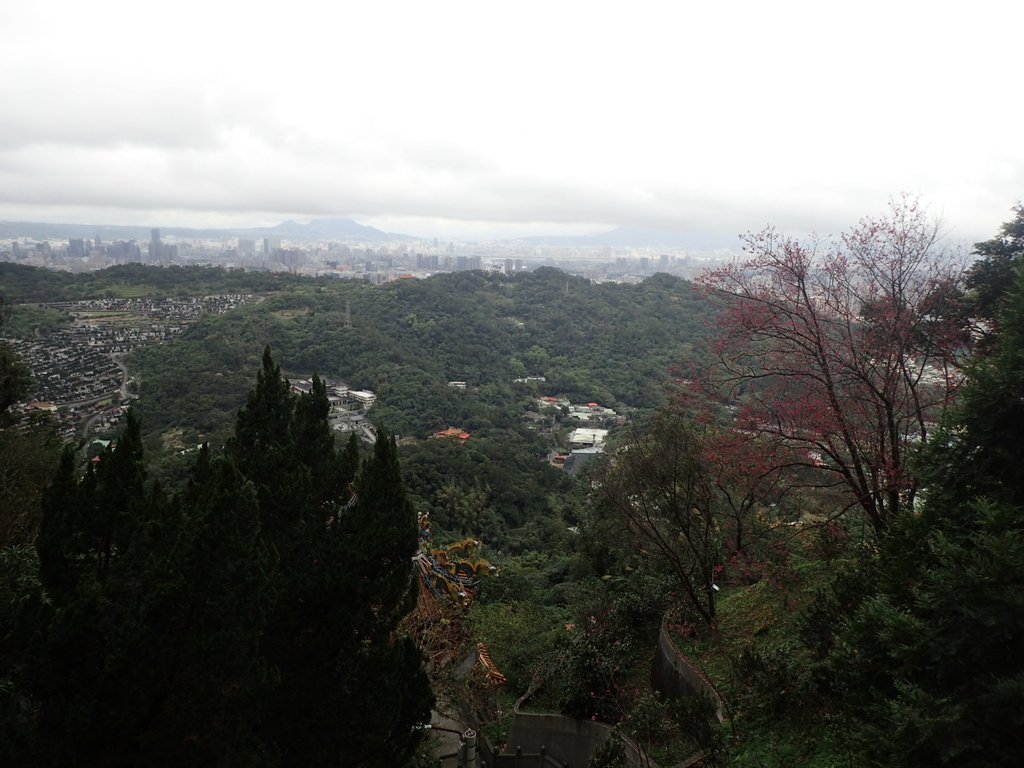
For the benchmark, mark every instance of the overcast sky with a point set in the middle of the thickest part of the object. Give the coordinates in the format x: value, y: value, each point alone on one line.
x: 488, y: 117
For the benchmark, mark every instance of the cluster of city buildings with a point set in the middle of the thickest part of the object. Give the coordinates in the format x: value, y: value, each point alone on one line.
x: 373, y: 262
x: 591, y: 423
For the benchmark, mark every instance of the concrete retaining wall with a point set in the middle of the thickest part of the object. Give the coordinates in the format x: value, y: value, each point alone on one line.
x: 564, y: 738
x: 567, y: 741
x: 675, y: 676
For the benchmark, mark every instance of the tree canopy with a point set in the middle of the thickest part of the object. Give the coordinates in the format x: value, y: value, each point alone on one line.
x: 14, y: 376
x: 926, y: 651
x: 991, y: 275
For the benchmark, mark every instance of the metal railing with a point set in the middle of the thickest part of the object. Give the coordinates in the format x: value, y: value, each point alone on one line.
x: 465, y: 755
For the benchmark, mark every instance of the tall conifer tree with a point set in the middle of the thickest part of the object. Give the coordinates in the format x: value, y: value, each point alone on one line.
x: 932, y: 661
x: 251, y: 620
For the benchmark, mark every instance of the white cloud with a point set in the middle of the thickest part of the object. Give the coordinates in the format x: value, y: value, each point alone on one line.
x: 714, y: 116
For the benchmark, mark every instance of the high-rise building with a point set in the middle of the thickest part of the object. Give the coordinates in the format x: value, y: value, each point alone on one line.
x: 155, y: 247
x: 466, y: 263
x: 426, y: 261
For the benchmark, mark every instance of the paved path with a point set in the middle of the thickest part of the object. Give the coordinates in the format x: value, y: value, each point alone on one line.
x: 446, y: 742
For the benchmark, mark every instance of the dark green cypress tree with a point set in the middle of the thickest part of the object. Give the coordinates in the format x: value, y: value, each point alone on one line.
x: 213, y: 603
x: 59, y: 527
x: 149, y: 651
x: 932, y: 663
x: 93, y: 667
x: 992, y: 274
x: 120, y: 505
x: 342, y: 580
x: 263, y: 427
x: 348, y: 469
x: 262, y: 449
x: 251, y: 620
x: 14, y: 375
x: 379, y: 665
x: 383, y: 529
x: 981, y: 453
x: 314, y: 443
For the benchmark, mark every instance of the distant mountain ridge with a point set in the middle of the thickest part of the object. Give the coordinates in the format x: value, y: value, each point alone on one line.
x: 317, y: 229
x: 331, y: 228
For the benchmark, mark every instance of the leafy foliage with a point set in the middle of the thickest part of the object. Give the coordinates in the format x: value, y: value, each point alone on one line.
x: 658, y: 493
x: 610, y: 754
x: 14, y: 376
x: 593, y: 667
x: 496, y: 487
x: 29, y: 452
x: 990, y: 276
x: 522, y: 634
x: 931, y: 658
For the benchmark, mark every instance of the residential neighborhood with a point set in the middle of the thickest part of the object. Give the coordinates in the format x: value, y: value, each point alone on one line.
x: 77, y: 372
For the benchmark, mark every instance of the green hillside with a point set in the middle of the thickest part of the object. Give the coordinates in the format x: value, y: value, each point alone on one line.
x: 406, y: 340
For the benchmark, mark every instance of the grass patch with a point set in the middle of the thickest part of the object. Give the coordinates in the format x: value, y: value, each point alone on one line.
x: 290, y: 314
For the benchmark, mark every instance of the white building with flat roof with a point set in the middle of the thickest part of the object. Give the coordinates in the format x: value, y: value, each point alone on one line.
x: 587, y: 438
x: 364, y: 397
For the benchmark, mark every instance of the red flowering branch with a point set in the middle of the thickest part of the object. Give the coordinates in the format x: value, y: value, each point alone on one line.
x: 840, y: 353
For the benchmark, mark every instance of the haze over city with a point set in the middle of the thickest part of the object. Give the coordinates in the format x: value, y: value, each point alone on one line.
x: 488, y: 120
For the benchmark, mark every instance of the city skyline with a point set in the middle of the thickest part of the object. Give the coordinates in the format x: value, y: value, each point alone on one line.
x: 465, y: 120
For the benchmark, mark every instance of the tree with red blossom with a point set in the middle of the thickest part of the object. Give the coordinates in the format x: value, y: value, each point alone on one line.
x: 841, y: 352
x: 746, y: 475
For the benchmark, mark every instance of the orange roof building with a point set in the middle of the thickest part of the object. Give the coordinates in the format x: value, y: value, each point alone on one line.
x: 452, y: 432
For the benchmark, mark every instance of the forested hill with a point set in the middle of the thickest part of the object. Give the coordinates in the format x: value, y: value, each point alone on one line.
x: 20, y: 284
x: 616, y: 344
